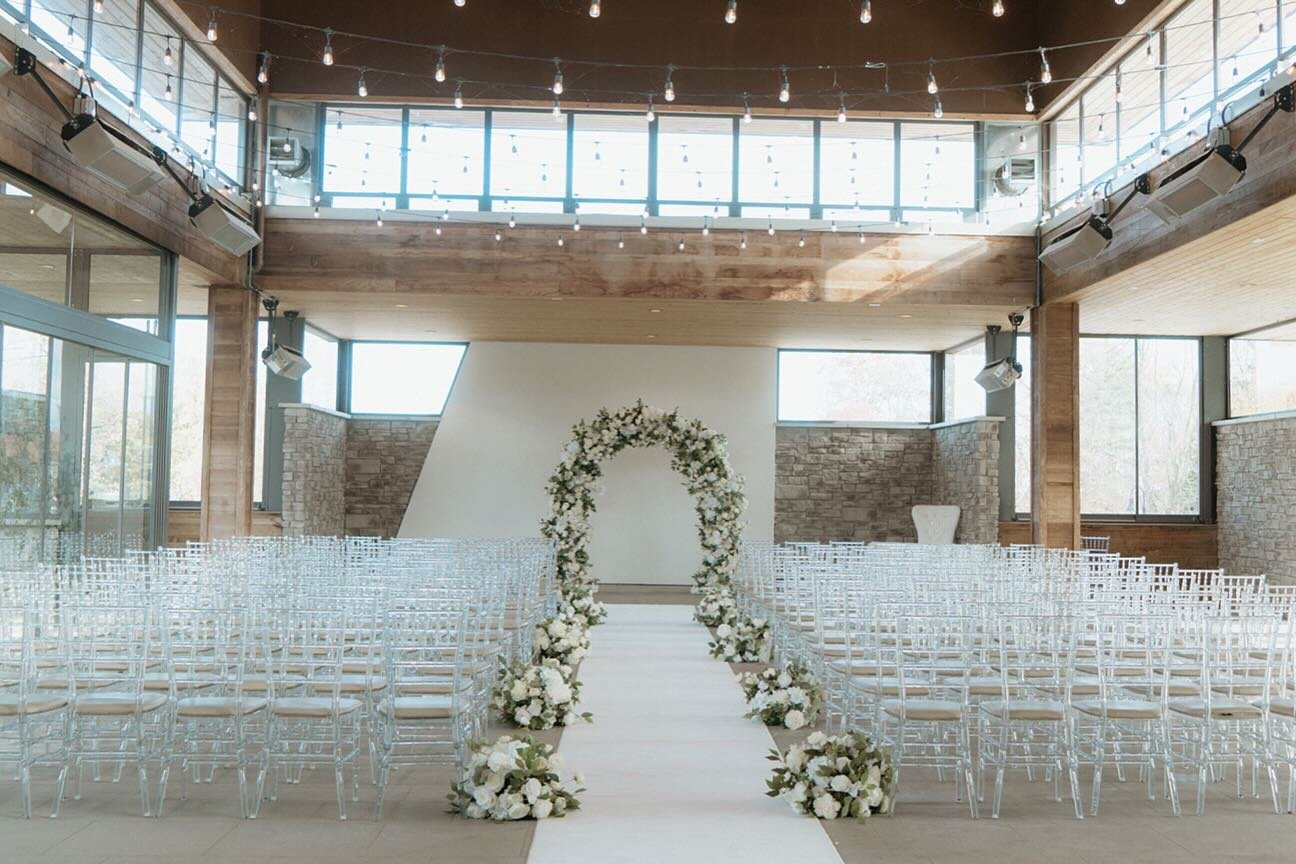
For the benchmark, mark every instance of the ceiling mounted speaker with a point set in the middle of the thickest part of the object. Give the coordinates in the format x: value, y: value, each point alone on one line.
x: 1077, y: 246
x: 93, y: 147
x: 1199, y: 182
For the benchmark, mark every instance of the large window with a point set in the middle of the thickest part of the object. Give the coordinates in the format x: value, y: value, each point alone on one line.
x: 187, y: 408
x: 963, y: 396
x: 1139, y: 426
x: 319, y: 385
x: 402, y: 377
x: 937, y: 165
x: 855, y: 386
x: 528, y: 155
x: 1262, y: 375
x: 695, y: 161
x: 610, y: 159
x: 1023, y: 469
x: 445, y: 153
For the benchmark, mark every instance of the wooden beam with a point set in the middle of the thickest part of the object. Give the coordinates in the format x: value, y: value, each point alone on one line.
x: 229, y: 413
x: 410, y: 258
x: 1055, y: 425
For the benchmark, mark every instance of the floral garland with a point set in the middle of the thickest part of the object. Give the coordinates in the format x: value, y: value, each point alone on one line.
x: 717, y: 606
x: 538, y: 695
x: 514, y: 778
x: 790, y: 697
x: 697, y: 454
x: 747, y: 640
x: 838, y: 777
x: 564, y: 638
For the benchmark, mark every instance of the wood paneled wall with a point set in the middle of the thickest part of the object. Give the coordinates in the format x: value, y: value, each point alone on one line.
x: 1055, y: 419
x: 185, y: 525
x: 1185, y: 544
x: 229, y: 419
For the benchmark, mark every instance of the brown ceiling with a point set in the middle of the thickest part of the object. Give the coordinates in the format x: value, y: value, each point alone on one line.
x: 691, y: 32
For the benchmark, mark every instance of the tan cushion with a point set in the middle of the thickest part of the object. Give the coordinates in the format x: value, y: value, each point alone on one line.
x: 432, y: 687
x: 1283, y: 707
x: 10, y: 707
x: 311, y: 706
x: 1026, y: 710
x: 183, y: 682
x: 864, y: 667
x: 419, y: 707
x: 81, y: 683
x: 257, y: 683
x: 217, y: 706
x: 923, y: 709
x: 1121, y: 709
x: 888, y: 686
x: 351, y: 684
x: 106, y: 704
x: 1220, y: 709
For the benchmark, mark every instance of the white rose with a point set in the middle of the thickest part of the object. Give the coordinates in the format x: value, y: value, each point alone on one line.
x: 724, y: 631
x: 498, y: 761
x: 559, y: 805
x: 794, y: 719
x: 840, y: 783
x: 542, y: 808
x: 797, y: 794
x: 531, y: 790
x: 826, y: 806
x: 842, y: 763
x: 785, y: 680
x: 817, y: 739
x: 522, y: 717
x: 579, y: 778
x: 475, y: 812
x: 560, y: 693
x: 874, y: 776
x: 874, y: 797
x: 555, y: 762
x: 518, y: 811
x: 519, y: 691
x: 483, y: 797
x: 795, y: 757
x: 796, y: 695
x: 780, y: 697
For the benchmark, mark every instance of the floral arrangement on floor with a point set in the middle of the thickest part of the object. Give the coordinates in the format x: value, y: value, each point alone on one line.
x: 538, y: 695
x: 564, y: 638
x: 747, y: 640
x: 717, y: 606
x: 697, y: 454
x: 788, y: 697
x: 835, y: 777
x: 514, y: 778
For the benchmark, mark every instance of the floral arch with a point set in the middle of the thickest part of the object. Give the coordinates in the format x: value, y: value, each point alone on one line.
x: 698, y: 454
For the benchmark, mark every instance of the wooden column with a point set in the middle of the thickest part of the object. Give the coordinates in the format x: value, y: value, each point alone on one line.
x: 1055, y: 425
x: 229, y: 418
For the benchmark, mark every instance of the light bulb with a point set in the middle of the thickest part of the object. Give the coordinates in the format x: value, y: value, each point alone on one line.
x: 706, y: 227
x: 361, y: 89
x: 785, y: 89
x: 379, y: 219
x: 931, y: 82
x: 71, y: 34
x: 650, y: 115
x: 316, y: 214
x: 1149, y: 55
x: 263, y: 71
x: 747, y: 115
x: 801, y: 242
x: 167, y: 57
x: 512, y: 223
x: 643, y: 224
x: 498, y: 235
x: 770, y: 229
x: 440, y: 74
x: 681, y: 244
x: 167, y: 91
x: 596, y: 8
x: 576, y: 224
x: 997, y: 9
x: 621, y: 241
x: 669, y: 94
x: 731, y: 12
x: 742, y: 240
x: 938, y: 112
x: 1030, y: 101
x: 212, y: 33
x: 99, y: 6
x: 558, y: 81
x: 458, y: 96
x: 327, y: 58
x: 252, y: 112
x: 561, y: 241
x: 866, y: 11
x: 460, y: 3
x: 841, y: 110
x: 557, y: 108
x: 1046, y: 74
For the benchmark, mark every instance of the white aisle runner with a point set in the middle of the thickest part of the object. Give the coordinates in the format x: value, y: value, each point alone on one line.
x: 675, y: 774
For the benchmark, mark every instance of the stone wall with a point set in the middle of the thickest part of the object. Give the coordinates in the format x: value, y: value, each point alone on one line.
x: 314, y: 471
x: 846, y: 483
x: 965, y: 472
x: 1255, y: 482
x: 384, y: 458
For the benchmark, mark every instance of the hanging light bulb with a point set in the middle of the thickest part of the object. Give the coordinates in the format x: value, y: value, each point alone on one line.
x: 785, y: 89
x: 1118, y: 86
x: 460, y: 3
x: 1021, y: 141
x: 576, y: 224
x: 512, y: 223
x: 557, y: 108
x: 801, y: 242
x: 1030, y: 100
x: 596, y: 8
x: 643, y: 224
x: 1046, y: 74
x: 670, y: 85
x: 747, y: 115
x: 731, y: 12
x: 99, y: 7
x: 212, y: 33
x: 650, y: 115
x: 706, y: 227
x: 866, y: 11
x: 997, y: 9
x: 252, y: 112
x: 339, y: 121
x: 558, y: 79
x: 167, y: 57
x: 440, y: 74
x: 841, y: 108
x: 770, y: 229
x: 327, y: 58
x: 931, y: 78
x: 861, y: 236
x: 620, y: 241
x: 742, y: 240
x: 167, y: 92
x: 379, y: 219
x: 458, y: 96
x: 938, y: 112
x: 498, y: 235
x: 71, y: 33
x: 362, y: 90
x: 561, y: 241
x: 1149, y: 55
x: 263, y: 71
x: 316, y: 213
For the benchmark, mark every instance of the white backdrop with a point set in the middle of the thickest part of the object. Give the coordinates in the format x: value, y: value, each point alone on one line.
x: 512, y: 409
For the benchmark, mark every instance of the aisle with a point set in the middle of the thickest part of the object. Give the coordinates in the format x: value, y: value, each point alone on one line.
x: 675, y: 774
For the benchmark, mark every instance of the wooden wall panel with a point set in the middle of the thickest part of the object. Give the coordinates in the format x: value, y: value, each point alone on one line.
x: 185, y: 525
x: 1055, y: 418
x: 229, y: 419
x: 1188, y: 545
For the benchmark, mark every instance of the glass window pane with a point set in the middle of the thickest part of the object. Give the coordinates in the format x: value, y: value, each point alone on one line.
x: 447, y: 152
x: 779, y: 212
x: 137, y: 454
x: 319, y: 385
x: 364, y: 155
x: 1100, y: 127
x: 1190, y: 84
x: 857, y: 163
x: 1248, y: 44
x: 1288, y: 25
x: 1022, y: 467
x: 1169, y: 428
x: 858, y: 217
x: 528, y: 154
x: 854, y: 385
x: 963, y: 396
x: 188, y: 395
x: 54, y: 17
x: 126, y: 286
x: 258, y: 440
x: 1065, y: 137
x: 610, y: 157
x: 157, y: 104
x: 937, y: 165
x: 1262, y: 376
x: 402, y: 377
x: 112, y: 55
x: 776, y: 161
x: 444, y: 205
x: 107, y: 387
x: 713, y: 209
x: 1140, y: 113
x: 708, y: 173
x: 198, y: 117
x: 1108, y: 439
x: 231, y: 114
x: 24, y: 419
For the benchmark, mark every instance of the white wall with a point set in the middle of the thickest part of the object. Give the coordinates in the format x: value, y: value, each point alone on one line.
x: 511, y: 412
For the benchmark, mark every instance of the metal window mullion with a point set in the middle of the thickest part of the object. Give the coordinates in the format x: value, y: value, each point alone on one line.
x: 816, y: 206
x: 488, y: 126
x: 215, y: 121
x: 1138, y: 473
x: 180, y: 90
x: 1162, y: 66
x: 652, y: 201
x: 569, y: 202
x: 735, y: 206
x: 897, y: 151
x: 1215, y: 52
x: 402, y: 197
x: 139, y: 57
x: 90, y: 21
x: 121, y: 468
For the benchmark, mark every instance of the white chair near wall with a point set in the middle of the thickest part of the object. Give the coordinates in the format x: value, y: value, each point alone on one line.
x: 936, y: 523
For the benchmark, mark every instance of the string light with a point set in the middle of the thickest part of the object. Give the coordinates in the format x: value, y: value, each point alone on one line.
x: 742, y: 240
x: 706, y: 227
x: 1118, y: 86
x: 99, y: 7
x: 801, y: 242
x: 747, y: 115
x: 71, y: 34
x: 252, y: 112
x: 620, y: 241
x: 596, y: 8
x: 997, y: 9
x: 1030, y: 100
x: 785, y: 89
x: 558, y: 79
x: 731, y: 12
x: 460, y: 3
x: 512, y: 223
x: 841, y: 107
x: 681, y: 244
x: 643, y: 224
x: 1148, y: 55
x: 938, y: 112
x: 561, y: 240
x: 498, y: 236
x: 576, y: 224
x: 316, y: 213
x: 327, y: 58
x: 440, y: 74
x: 770, y: 229
x: 212, y: 33
x: 866, y: 11
x: 1046, y: 74
x: 263, y: 71
x: 650, y: 115
x: 931, y: 78
x: 167, y: 91
x: 167, y: 57
x: 670, y: 85
x: 361, y: 89
x: 557, y: 108
x: 379, y: 219
x: 458, y: 96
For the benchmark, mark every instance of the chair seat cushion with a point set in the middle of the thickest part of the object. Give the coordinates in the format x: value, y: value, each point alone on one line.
x: 257, y: 683
x: 217, y: 706
x: 431, y: 687
x: 81, y: 683
x: 11, y: 707
x: 1120, y: 709
x: 1026, y: 710
x: 1283, y: 707
x: 888, y: 686
x: 1220, y: 709
x: 112, y: 704
x: 312, y: 706
x: 863, y: 667
x: 183, y: 682
x: 351, y: 684
x: 924, y: 709
x: 419, y: 707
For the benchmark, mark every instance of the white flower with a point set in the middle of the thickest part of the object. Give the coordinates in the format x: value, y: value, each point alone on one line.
x: 724, y: 631
x: 531, y: 790
x: 794, y: 719
x: 494, y: 782
x: 840, y: 783
x: 483, y: 797
x: 797, y: 794
x: 796, y: 695
x: 518, y: 811
x: 498, y: 761
x: 795, y: 757
x: 542, y: 808
x: 579, y: 778
x: 560, y: 693
x: 817, y: 739
x: 522, y: 717
x: 826, y: 806
x: 555, y: 762
x: 785, y: 680
x: 874, y: 797
x: 475, y: 812
x: 874, y: 775
x: 518, y: 691
x: 815, y: 769
x: 842, y: 763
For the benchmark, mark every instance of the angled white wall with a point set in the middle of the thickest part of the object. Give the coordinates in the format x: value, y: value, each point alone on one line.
x: 511, y: 412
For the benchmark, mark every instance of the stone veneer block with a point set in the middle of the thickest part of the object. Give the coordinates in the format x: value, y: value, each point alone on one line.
x: 1255, y: 482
